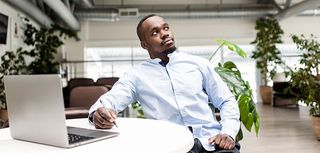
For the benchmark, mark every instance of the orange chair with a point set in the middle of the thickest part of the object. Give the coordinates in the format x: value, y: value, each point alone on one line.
x: 81, y: 98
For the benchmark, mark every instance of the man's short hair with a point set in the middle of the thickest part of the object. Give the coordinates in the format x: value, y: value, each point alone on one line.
x: 139, y: 32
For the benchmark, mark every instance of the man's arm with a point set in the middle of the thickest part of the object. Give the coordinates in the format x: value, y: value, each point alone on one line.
x: 222, y: 98
x: 117, y: 99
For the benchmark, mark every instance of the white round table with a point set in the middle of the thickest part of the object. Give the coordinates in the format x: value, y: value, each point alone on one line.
x: 136, y: 136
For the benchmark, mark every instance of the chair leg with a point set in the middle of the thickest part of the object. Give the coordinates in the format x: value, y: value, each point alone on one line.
x: 274, y: 103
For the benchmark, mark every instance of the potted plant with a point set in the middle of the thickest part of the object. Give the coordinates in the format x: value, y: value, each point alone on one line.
x: 267, y: 55
x: 240, y: 88
x: 44, y: 44
x: 305, y: 81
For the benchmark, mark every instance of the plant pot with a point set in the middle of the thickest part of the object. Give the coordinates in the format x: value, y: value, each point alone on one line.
x: 266, y: 94
x: 316, y: 126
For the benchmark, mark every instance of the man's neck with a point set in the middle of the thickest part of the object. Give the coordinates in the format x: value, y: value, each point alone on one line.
x: 165, y: 58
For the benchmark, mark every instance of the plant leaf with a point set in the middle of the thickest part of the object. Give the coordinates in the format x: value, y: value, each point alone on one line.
x: 239, y: 135
x: 249, y: 123
x: 233, y: 47
x: 241, y: 89
x: 257, y: 125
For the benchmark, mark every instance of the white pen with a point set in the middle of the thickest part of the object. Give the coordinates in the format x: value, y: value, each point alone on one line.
x: 105, y: 107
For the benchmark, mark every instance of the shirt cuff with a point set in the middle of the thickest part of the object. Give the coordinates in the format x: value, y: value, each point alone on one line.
x: 231, y: 132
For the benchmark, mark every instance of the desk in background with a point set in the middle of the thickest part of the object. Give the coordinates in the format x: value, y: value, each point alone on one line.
x: 136, y: 136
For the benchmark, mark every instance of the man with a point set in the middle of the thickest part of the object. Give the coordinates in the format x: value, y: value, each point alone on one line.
x: 176, y: 87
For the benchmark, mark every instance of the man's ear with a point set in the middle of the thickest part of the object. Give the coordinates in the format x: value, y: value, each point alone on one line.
x: 144, y: 45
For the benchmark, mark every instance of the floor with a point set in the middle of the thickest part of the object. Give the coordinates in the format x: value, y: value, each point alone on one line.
x: 282, y: 130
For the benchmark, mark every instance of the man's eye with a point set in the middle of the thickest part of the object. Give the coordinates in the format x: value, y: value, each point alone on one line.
x: 166, y: 28
x: 154, y: 33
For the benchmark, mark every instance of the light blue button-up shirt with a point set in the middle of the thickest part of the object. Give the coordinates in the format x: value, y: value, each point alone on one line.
x: 178, y: 92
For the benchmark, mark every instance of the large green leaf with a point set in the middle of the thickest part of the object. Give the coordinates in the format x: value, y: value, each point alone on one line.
x: 231, y: 79
x: 241, y: 89
x: 249, y: 122
x: 233, y: 47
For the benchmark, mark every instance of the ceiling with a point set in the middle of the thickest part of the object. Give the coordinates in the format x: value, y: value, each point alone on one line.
x: 70, y: 12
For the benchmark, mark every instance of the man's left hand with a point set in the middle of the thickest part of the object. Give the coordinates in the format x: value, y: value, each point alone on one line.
x: 224, y: 141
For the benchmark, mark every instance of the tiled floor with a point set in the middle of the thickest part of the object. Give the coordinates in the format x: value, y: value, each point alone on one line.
x: 283, y: 130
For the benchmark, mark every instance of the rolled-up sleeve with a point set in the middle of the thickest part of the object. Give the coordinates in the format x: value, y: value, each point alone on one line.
x: 119, y: 97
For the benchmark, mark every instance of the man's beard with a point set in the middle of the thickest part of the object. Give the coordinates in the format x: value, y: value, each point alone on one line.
x: 170, y: 50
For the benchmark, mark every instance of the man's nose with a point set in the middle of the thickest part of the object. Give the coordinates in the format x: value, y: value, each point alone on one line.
x: 164, y: 34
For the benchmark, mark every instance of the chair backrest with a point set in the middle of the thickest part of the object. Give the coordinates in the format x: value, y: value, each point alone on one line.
x: 107, y: 81
x: 76, y: 82
x: 280, y: 86
x: 85, y: 96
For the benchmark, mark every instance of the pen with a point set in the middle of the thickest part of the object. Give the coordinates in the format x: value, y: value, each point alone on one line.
x: 105, y: 107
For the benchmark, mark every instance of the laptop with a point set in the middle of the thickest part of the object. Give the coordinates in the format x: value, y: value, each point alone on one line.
x: 36, y: 113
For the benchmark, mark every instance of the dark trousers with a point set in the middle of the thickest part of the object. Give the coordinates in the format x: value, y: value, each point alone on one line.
x: 198, y: 148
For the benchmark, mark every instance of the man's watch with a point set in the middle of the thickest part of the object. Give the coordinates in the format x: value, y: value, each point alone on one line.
x: 91, y: 117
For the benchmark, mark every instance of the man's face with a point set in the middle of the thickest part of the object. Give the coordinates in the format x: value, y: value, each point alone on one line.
x: 157, y: 37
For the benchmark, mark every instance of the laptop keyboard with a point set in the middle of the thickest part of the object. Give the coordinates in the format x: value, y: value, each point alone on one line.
x: 74, y: 138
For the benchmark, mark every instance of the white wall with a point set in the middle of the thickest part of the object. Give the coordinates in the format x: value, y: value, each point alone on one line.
x: 300, y: 25
x: 13, y: 41
x: 15, y: 28
x: 187, y: 32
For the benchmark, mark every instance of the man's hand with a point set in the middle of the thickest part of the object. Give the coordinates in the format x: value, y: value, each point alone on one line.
x: 224, y: 141
x: 102, y: 119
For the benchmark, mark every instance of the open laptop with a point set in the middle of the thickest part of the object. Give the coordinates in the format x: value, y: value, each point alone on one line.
x: 36, y: 112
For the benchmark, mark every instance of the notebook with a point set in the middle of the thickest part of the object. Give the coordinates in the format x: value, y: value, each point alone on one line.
x: 36, y: 112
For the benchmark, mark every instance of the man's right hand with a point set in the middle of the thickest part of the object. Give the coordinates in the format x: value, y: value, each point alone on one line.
x: 102, y: 119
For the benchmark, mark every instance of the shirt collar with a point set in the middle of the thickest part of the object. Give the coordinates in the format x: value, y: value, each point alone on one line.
x: 158, y: 60
x: 154, y: 61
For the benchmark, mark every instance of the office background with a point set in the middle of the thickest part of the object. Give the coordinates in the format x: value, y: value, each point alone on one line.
x: 109, y: 46
x: 230, y: 20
